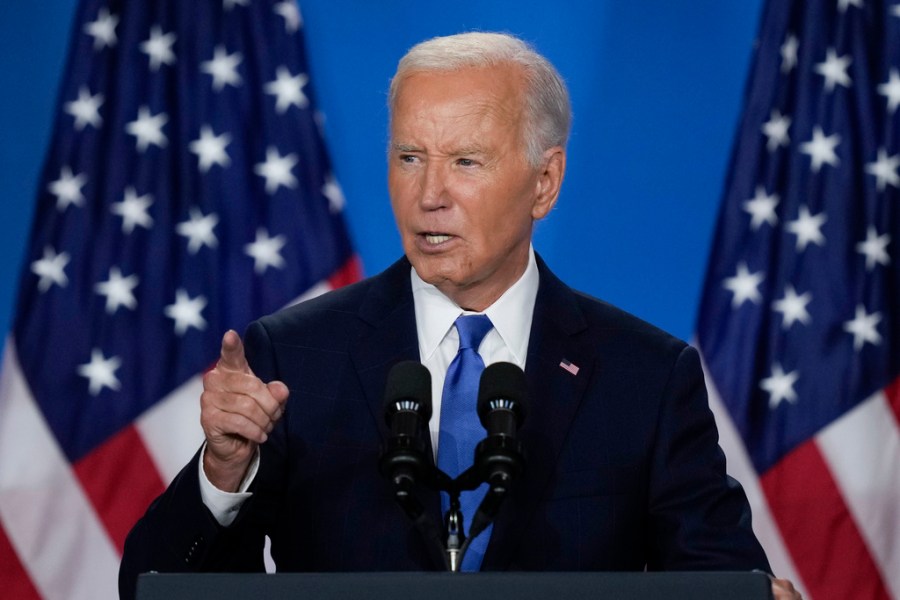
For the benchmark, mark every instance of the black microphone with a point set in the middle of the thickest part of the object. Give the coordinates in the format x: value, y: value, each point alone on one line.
x: 407, y: 407
x: 502, y: 406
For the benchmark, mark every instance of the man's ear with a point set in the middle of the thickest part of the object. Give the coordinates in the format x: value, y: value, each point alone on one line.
x: 549, y: 182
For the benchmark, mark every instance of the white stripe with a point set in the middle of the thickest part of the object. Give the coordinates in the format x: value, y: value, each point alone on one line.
x: 740, y: 467
x: 44, y: 511
x: 171, y: 430
x: 862, y: 450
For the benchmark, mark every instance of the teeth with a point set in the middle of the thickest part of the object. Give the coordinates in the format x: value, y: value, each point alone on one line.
x: 436, y: 239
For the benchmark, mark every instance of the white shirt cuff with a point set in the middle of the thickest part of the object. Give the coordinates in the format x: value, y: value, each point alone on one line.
x: 224, y: 506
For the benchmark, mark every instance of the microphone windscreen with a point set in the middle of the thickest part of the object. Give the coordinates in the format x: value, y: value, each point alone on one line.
x: 503, y: 381
x: 408, y: 380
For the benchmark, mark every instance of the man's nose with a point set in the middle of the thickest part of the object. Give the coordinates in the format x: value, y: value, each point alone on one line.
x: 434, y: 187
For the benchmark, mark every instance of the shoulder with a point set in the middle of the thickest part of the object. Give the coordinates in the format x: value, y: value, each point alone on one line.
x: 577, y: 313
x: 618, y: 335
x: 338, y: 309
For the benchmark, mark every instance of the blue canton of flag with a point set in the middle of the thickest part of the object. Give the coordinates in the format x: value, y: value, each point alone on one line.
x: 186, y: 191
x: 799, y: 324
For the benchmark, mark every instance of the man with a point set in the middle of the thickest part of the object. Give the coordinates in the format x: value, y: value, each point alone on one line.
x: 623, y: 468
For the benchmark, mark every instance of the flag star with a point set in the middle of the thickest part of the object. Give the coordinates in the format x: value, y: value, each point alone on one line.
x: 780, y: 386
x: 103, y: 30
x: 186, y: 312
x: 133, y: 210
x: 776, y: 129
x: 199, y: 230
x: 266, y: 251
x: 51, y: 269
x: 287, y: 89
x: 86, y: 109
x: 890, y: 89
x: 147, y: 129
x: 789, y: 53
x: 874, y: 248
x: 762, y: 208
x: 276, y: 170
x: 67, y: 189
x: 862, y: 327
x: 332, y: 191
x: 223, y: 68
x: 834, y: 70
x: 844, y: 4
x: 210, y: 148
x: 821, y: 149
x: 808, y: 228
x: 229, y: 4
x: 119, y: 291
x: 793, y: 307
x: 291, y: 13
x: 159, y: 48
x: 101, y: 372
x: 744, y: 285
x: 884, y: 169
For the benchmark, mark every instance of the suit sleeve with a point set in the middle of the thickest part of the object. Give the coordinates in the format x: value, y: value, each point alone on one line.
x: 700, y: 517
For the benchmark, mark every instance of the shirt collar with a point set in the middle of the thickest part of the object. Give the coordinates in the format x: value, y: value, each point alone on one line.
x: 511, y: 314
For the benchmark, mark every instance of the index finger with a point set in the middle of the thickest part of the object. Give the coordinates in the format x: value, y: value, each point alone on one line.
x: 231, y: 357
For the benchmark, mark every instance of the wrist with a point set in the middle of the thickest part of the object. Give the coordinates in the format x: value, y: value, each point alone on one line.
x: 224, y: 475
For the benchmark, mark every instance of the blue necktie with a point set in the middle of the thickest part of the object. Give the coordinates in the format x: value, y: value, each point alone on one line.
x: 460, y: 428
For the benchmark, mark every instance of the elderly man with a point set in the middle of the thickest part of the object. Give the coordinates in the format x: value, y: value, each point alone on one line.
x: 623, y: 468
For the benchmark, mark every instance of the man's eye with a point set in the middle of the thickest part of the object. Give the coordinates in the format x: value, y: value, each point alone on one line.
x: 407, y: 158
x: 465, y: 162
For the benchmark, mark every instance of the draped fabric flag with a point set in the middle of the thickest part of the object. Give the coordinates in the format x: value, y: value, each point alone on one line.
x: 186, y: 191
x: 799, y: 324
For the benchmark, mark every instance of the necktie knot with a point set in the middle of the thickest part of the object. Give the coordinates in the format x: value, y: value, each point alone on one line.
x: 472, y: 329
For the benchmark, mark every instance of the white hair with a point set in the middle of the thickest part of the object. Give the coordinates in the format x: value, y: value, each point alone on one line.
x: 548, y: 114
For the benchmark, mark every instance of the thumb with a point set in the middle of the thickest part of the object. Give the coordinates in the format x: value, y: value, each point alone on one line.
x: 231, y: 357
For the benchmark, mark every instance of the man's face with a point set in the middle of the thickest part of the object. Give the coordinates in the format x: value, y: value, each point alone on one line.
x: 464, y: 196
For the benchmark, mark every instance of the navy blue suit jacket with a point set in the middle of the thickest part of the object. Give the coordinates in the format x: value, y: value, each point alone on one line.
x: 623, y: 469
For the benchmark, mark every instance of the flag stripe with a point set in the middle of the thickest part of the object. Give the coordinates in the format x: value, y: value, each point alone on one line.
x: 122, y: 459
x: 349, y: 272
x: 170, y: 429
x: 863, y: 454
x: 16, y: 583
x: 814, y: 525
x: 893, y: 396
x: 46, y: 515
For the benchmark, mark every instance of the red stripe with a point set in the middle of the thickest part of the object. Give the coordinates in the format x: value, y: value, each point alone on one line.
x: 350, y: 272
x: 14, y: 580
x: 121, y: 480
x: 893, y: 396
x: 821, y: 535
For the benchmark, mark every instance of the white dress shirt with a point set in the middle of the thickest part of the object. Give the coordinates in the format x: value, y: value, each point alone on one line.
x: 439, y: 341
x: 511, y: 317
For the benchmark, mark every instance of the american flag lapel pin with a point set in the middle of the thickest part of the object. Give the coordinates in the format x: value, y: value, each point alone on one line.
x: 569, y: 366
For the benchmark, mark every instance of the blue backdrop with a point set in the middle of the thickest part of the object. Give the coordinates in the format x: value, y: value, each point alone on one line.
x: 656, y: 87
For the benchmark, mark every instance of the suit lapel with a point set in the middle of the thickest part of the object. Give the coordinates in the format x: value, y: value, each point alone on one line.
x: 388, y: 335
x: 555, y: 394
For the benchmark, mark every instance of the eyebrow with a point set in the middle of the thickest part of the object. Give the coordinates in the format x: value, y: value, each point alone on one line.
x: 405, y: 148
x: 474, y: 149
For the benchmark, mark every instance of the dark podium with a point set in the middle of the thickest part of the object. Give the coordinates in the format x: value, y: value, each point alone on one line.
x: 455, y: 586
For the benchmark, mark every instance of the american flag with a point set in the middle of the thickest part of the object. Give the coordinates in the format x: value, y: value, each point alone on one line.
x: 186, y: 191
x: 799, y: 324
